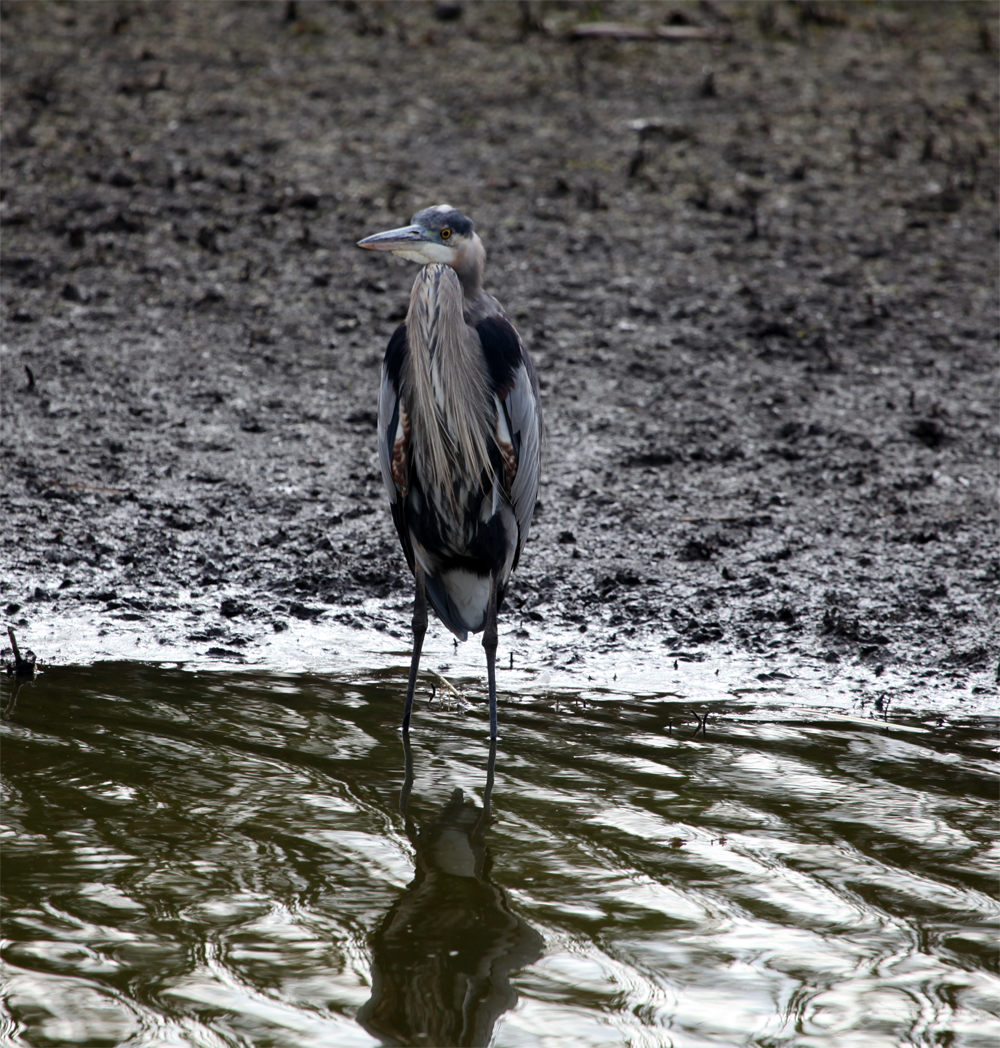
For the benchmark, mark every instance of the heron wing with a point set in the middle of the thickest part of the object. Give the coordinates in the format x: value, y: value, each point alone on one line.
x: 515, y: 386
x: 388, y: 422
x: 393, y: 446
x: 389, y: 406
x: 525, y: 422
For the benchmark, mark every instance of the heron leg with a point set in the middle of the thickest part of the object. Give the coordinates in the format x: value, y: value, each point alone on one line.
x: 419, y: 629
x: 404, y: 793
x: 490, y: 645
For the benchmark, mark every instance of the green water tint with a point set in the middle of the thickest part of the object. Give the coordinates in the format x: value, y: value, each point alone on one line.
x: 234, y: 859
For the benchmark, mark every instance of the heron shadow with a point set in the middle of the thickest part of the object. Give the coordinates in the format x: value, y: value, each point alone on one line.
x: 443, y: 954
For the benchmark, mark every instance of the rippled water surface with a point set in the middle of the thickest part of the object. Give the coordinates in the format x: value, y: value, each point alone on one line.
x: 237, y: 859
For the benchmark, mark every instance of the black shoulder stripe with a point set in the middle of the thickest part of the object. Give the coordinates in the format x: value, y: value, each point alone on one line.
x: 502, y: 350
x: 394, y: 354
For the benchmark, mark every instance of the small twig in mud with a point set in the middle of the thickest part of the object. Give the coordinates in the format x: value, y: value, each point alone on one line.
x: 22, y: 669
x: 749, y: 518
x: 21, y: 666
x: 447, y: 683
x: 624, y: 31
x: 702, y: 723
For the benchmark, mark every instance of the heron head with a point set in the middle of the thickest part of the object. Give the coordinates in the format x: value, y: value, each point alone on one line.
x: 436, y: 234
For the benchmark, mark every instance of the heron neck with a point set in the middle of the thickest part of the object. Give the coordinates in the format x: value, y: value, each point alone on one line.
x: 469, y: 267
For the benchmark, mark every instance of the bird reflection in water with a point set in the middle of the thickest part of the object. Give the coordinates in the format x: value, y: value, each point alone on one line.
x: 442, y: 958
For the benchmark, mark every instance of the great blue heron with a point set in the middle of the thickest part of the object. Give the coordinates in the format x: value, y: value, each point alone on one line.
x: 459, y: 428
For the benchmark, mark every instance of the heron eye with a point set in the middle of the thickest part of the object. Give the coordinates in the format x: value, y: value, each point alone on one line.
x: 445, y: 233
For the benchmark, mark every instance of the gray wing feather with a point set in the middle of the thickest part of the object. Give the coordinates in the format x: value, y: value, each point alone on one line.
x: 388, y: 400
x: 525, y: 416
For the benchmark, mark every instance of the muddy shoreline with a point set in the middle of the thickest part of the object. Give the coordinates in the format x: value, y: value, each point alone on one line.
x: 757, y: 275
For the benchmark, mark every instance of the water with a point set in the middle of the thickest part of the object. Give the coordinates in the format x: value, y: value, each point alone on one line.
x: 220, y: 859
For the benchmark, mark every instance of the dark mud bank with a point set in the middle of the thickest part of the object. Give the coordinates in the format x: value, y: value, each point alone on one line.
x: 757, y: 274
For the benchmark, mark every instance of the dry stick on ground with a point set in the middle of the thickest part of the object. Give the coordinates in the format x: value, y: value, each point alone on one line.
x: 22, y: 670
x: 21, y: 667
x: 623, y: 31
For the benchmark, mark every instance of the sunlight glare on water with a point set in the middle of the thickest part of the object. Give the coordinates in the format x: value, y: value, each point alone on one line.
x: 210, y: 859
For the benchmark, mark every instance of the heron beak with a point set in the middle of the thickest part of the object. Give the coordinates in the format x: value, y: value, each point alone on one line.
x: 406, y: 238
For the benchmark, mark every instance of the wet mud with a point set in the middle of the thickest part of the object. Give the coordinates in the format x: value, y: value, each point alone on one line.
x: 756, y: 272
